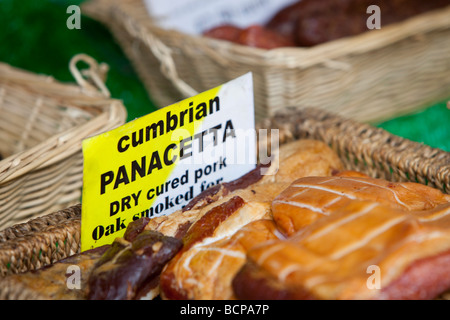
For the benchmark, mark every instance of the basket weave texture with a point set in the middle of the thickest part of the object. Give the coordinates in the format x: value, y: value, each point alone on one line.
x: 361, y: 147
x: 41, y: 241
x: 370, y: 77
x: 42, y: 126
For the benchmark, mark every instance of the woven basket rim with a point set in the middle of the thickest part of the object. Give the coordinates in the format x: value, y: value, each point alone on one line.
x: 372, y: 146
x: 141, y: 25
x: 37, y: 225
x: 40, y: 241
x: 40, y: 83
x: 59, y: 146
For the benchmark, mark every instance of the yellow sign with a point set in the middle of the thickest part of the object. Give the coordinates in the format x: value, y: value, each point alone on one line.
x: 156, y: 164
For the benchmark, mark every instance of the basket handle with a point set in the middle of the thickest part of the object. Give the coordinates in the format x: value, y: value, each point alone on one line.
x: 168, y: 68
x: 164, y: 55
x: 92, y: 79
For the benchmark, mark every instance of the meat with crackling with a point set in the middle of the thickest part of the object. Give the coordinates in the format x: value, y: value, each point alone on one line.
x: 223, y: 229
x: 340, y: 230
x: 311, y: 198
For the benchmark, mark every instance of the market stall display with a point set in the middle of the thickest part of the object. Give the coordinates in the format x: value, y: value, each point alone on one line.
x: 324, y: 204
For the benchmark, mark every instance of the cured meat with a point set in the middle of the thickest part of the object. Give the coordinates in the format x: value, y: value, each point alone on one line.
x: 206, y: 270
x: 125, y: 270
x: 253, y: 36
x: 335, y: 257
x: 130, y: 269
x: 311, y: 22
x: 307, y: 23
x: 221, y: 222
x: 338, y: 228
x: 311, y: 198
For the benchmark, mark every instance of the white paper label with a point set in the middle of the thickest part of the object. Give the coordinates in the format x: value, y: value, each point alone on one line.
x: 196, y: 16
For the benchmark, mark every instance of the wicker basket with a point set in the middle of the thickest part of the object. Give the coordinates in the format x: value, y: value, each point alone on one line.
x: 40, y: 241
x: 361, y: 147
x: 42, y: 126
x: 370, y: 77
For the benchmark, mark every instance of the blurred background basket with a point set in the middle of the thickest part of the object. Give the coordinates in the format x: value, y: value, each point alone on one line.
x: 371, y: 77
x: 374, y: 151
x: 42, y: 125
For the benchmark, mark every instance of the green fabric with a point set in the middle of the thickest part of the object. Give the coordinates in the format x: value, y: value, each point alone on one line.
x: 34, y: 36
x: 430, y: 126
